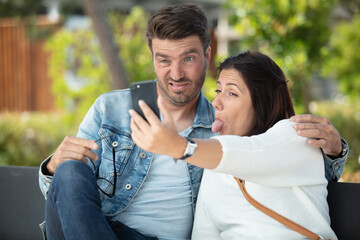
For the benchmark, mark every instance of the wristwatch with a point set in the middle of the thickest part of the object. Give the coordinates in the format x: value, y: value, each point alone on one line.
x: 189, y: 150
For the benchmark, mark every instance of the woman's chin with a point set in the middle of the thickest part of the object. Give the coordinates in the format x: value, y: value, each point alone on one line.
x: 223, y: 132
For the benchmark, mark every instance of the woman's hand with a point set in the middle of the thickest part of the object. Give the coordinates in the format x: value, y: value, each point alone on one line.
x: 156, y: 136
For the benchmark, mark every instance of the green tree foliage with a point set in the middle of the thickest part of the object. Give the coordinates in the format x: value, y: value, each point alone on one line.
x: 78, y: 71
x: 28, y: 138
x: 343, y: 58
x: 20, y: 8
x: 345, y: 116
x: 130, y: 35
x: 291, y: 32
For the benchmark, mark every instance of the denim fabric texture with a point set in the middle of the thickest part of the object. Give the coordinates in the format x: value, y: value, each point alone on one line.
x: 108, y: 115
x: 78, y: 202
x: 335, y: 167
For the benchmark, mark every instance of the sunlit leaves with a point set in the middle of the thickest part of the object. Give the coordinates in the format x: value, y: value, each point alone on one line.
x: 76, y: 65
x: 343, y: 58
x: 291, y: 32
x: 130, y: 36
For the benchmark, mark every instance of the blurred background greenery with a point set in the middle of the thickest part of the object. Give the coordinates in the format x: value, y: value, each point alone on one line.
x: 316, y: 43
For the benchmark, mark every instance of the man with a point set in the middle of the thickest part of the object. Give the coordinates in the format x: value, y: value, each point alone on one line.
x: 142, y: 193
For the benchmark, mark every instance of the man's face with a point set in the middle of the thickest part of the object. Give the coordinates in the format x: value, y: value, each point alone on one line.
x: 180, y: 67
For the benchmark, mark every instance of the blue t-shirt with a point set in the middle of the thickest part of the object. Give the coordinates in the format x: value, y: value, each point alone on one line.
x: 162, y: 207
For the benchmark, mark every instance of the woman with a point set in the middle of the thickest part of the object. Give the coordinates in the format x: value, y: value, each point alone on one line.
x: 258, y: 144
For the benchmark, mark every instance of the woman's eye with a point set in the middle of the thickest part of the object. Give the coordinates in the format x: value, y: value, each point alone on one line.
x: 218, y: 91
x: 233, y: 94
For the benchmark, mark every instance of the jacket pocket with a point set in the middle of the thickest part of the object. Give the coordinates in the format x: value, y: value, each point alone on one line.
x: 120, y: 142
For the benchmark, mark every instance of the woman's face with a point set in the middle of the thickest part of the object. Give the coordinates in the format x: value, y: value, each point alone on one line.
x: 234, y: 112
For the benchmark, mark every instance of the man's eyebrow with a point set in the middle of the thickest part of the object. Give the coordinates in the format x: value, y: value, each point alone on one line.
x: 193, y: 50
x: 161, y: 55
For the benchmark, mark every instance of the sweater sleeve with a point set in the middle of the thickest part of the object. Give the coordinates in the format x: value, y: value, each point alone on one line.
x: 278, y: 158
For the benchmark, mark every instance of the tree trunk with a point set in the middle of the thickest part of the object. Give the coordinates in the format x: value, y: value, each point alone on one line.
x: 95, y: 9
x: 306, y: 92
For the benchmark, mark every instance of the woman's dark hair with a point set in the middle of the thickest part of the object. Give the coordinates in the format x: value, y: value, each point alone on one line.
x: 178, y: 21
x: 267, y: 85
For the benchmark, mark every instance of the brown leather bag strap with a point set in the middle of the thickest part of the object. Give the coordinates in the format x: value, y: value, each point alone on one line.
x: 287, y: 222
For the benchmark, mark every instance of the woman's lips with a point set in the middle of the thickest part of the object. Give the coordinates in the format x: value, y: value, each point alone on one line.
x: 217, y: 126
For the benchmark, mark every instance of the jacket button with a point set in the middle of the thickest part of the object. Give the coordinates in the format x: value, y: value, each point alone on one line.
x: 142, y: 155
x: 115, y: 144
x: 128, y: 186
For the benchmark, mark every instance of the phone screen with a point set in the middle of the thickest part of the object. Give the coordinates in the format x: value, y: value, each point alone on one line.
x: 146, y: 91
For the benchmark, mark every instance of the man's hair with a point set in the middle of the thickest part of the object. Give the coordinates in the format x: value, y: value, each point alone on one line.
x: 178, y: 21
x: 267, y: 84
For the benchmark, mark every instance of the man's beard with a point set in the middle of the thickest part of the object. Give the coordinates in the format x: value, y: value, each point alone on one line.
x: 180, y: 99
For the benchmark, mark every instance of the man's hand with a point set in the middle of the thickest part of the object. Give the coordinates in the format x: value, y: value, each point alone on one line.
x: 73, y: 148
x: 320, y: 131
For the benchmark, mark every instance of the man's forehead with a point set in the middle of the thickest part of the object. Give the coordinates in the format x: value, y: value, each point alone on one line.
x: 191, y: 44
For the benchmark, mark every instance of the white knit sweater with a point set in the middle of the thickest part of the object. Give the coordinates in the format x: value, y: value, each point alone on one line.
x: 281, y: 171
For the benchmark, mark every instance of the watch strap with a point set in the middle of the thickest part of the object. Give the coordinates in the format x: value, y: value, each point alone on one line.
x: 190, y: 149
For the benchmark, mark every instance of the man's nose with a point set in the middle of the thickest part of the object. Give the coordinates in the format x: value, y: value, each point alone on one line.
x: 176, y: 72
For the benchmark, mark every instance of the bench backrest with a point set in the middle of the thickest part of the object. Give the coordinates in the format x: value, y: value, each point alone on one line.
x: 21, y: 203
x: 344, y: 206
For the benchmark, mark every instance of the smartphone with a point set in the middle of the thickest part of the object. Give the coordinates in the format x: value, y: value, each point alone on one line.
x: 146, y: 91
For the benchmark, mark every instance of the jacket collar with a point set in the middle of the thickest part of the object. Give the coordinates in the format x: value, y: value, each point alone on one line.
x: 204, y: 113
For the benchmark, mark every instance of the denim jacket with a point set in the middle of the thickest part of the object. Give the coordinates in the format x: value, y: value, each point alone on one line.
x: 109, y: 115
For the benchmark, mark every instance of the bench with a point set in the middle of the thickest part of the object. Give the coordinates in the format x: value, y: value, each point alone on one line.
x: 344, y: 208
x: 22, y: 205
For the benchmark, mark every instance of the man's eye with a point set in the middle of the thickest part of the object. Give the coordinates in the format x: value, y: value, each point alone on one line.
x: 188, y: 59
x: 164, y: 61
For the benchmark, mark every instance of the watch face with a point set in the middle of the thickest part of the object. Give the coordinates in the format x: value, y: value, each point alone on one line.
x: 344, y: 151
x: 190, y: 149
